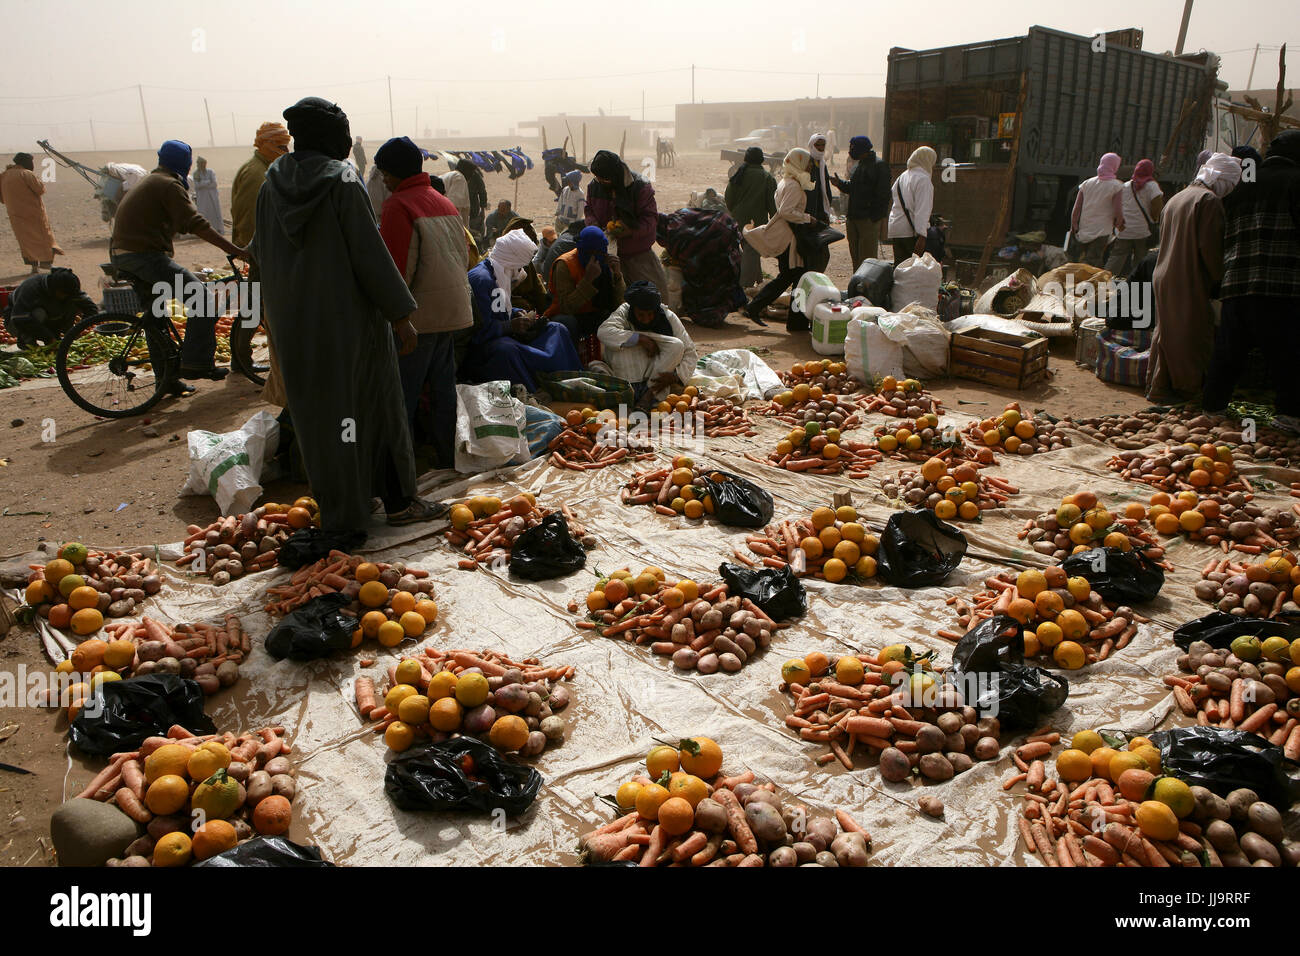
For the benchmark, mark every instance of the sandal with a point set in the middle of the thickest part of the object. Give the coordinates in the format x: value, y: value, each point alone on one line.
x: 418, y: 510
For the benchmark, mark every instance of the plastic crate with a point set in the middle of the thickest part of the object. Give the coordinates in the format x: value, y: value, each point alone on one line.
x: 930, y: 132
x: 120, y: 298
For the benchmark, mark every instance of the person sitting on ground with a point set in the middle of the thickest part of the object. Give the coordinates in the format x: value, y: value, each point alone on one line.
x: 586, y: 285
x: 543, y: 247
x: 495, y: 224
x: 510, y: 343
x: 646, y: 344
x: 332, y: 290
x: 564, y: 242
x: 43, y: 307
x: 571, y: 204
x: 616, y: 194
x: 423, y: 231
x: 148, y: 218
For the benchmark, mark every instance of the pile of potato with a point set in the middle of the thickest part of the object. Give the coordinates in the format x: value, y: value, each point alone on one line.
x: 683, y: 812
x: 673, y: 491
x: 826, y: 374
x: 962, y: 493
x: 513, y: 705
x: 803, y: 405
x: 829, y: 543
x: 1252, y: 589
x: 892, y: 705
x: 1082, y: 522
x: 485, y: 527
x: 1132, y: 432
x: 905, y: 399
x: 1018, y: 434
x: 1181, y: 467
x: 236, y: 545
x: 1252, y: 686
x: 79, y: 588
x: 702, y: 630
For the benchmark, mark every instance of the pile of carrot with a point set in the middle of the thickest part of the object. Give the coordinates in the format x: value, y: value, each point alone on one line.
x: 901, y: 400
x: 236, y: 545
x: 673, y: 491
x: 336, y: 573
x: 853, y: 459
x: 992, y: 491
x: 802, y: 543
x: 1178, y: 468
x: 489, y: 539
x: 722, y: 418
x: 1226, y: 697
x: 206, y: 643
x: 576, y: 449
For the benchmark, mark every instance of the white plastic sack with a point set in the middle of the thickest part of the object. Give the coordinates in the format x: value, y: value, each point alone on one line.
x: 924, y: 342
x: 228, y: 466
x: 491, y: 427
x: 813, y: 289
x: 868, y: 352
x: 1021, y: 278
x: 917, y: 280
x: 735, y: 373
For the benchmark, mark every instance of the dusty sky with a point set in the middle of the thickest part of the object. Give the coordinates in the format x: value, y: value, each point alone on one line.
x: 481, y: 67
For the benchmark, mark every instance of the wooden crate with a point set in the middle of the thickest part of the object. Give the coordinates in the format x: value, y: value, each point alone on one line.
x: 998, y: 358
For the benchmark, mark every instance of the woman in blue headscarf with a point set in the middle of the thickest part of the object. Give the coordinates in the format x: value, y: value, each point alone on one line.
x: 586, y: 284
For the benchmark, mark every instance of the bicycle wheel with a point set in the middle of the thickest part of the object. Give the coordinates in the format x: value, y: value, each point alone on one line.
x: 132, y: 364
x: 241, y: 350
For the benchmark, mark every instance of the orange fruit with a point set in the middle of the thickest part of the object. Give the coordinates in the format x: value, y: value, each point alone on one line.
x: 1048, y: 634
x: 215, y: 836
x: 207, y: 759
x: 1069, y: 655
x: 968, y: 511
x: 508, y: 733
x: 299, y: 518
x: 847, y: 552
x: 650, y: 798
x: 373, y: 594
x: 366, y: 571
x: 371, y: 621
x: 1125, y: 760
x: 672, y: 597
x: 169, y: 759
x: 118, y: 654
x: 1073, y: 624
x: 414, y: 710
x: 86, y: 621
x: 689, y: 787
x: 796, y: 671
x: 822, y: 518
x: 1101, y: 758
x: 1021, y: 610
x: 660, y: 760
x: 835, y: 570
x: 175, y: 849
x: 1135, y: 783
x: 168, y: 794
x: 272, y: 815
x: 596, y: 601
x: 83, y: 597
x: 693, y: 509
x: 1073, y: 766
x: 402, y: 602
x: 866, y: 567
x: 676, y: 816
x: 399, y: 736
x: 391, y: 633
x: 704, y: 759
x: 1048, y: 604
x: 849, y: 670
x: 627, y: 794
x: 412, y: 624
x: 442, y: 685
x: 445, y: 715
x: 88, y: 655
x: 818, y: 663
x: 812, y: 548
x: 1156, y: 820
x: 945, y: 510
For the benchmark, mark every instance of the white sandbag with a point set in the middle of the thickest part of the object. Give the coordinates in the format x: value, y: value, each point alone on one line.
x: 813, y: 288
x: 868, y: 352
x: 491, y: 427
x: 1022, y: 280
x: 735, y: 373
x: 924, y: 342
x: 828, y: 327
x: 228, y: 466
x: 916, y: 280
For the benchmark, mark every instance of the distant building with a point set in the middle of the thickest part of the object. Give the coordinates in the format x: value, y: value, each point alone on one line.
x: 602, y: 131
x: 705, y: 125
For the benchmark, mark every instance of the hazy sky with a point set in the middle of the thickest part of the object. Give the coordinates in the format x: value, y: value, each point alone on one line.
x: 482, y: 67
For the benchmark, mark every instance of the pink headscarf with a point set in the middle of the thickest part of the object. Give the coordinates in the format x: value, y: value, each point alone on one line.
x: 1108, y: 166
x: 1143, y: 173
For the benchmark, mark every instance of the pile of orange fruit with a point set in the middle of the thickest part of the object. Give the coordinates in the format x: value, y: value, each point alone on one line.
x: 303, y: 513
x: 75, y: 590
x: 390, y: 615
x: 1187, y: 467
x: 674, y: 783
x: 918, y: 439
x: 1018, y: 434
x: 828, y: 375
x: 829, y: 543
x: 959, y: 492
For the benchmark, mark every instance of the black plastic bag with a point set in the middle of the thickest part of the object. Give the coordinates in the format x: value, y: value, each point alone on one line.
x: 123, y: 713
x: 776, y: 590
x: 316, y: 629
x: 918, y: 550
x: 433, y: 778
x: 547, y: 550
x: 1226, y: 760
x: 988, y: 665
x: 872, y: 280
x: 1219, y: 629
x: 1124, y: 577
x: 308, y: 545
x: 738, y: 501
x: 267, y: 851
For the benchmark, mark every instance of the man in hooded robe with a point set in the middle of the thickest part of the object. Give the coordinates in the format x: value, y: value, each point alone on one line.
x: 1186, y: 278
x: 510, y: 343
x: 586, y: 284
x: 21, y: 191
x: 337, y: 307
x: 619, y: 196
x: 646, y: 344
x: 750, y: 197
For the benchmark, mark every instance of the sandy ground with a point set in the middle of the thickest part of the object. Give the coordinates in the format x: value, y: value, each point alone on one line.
x: 65, y: 475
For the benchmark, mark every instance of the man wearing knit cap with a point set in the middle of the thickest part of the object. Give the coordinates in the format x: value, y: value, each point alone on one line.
x: 337, y: 307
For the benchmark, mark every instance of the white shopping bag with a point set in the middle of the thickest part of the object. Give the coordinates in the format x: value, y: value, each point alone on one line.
x: 924, y: 342
x: 491, y: 427
x: 868, y: 352
x: 229, y: 466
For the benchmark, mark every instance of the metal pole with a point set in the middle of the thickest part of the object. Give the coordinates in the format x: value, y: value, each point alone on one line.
x: 1182, y: 29
x: 392, y: 127
x: 1251, y: 78
x: 643, y: 107
x: 212, y: 139
x: 145, y: 116
x: 692, y: 82
x: 234, y: 130
x: 93, y: 144
x: 819, y: 85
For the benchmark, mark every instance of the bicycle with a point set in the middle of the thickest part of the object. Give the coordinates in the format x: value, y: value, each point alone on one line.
x: 144, y: 355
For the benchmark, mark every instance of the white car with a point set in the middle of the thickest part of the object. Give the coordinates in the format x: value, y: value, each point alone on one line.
x: 766, y: 139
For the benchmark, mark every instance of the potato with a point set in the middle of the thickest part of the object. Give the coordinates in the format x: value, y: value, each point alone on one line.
x: 239, y: 771
x: 534, y: 745
x: 1257, y: 848
x: 189, y: 667
x: 730, y: 663
x: 208, y: 683
x: 850, y: 849
x: 784, y: 856
x: 1264, y: 819
x: 950, y: 723
x: 986, y: 748
x: 710, y: 816
x: 227, y: 673
x: 159, y: 827
x: 1239, y: 803
x: 820, y: 832
x: 765, y: 820
x: 961, y: 762
x: 141, y: 847
x: 826, y: 858
x: 894, y: 765
x: 151, y: 651
x: 258, y: 787
x: 989, y: 726
x: 935, y: 766
x: 761, y: 795
x: 278, y: 765
x: 930, y: 739
x: 743, y: 790
x: 283, y: 785
x: 146, y: 667
x: 1222, y: 836
x: 553, y: 728
x: 803, y: 852
x: 930, y: 806
x: 558, y: 699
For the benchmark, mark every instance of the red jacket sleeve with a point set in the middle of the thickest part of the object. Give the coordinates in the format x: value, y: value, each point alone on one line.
x: 396, y: 228
x: 647, y: 215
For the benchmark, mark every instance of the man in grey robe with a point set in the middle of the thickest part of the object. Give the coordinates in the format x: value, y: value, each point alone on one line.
x: 336, y: 305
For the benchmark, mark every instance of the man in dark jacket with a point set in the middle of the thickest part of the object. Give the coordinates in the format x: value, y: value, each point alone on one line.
x: 43, y: 307
x: 1261, y: 282
x: 750, y: 200
x: 868, y: 192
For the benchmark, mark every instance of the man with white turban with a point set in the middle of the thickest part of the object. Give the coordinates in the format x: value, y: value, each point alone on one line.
x: 1186, y: 278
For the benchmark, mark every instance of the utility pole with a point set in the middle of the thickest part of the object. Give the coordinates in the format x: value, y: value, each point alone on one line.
x: 212, y: 139
x: 643, y: 107
x: 145, y: 116
x: 93, y: 144
x: 234, y: 130
x: 692, y: 82
x: 417, y: 119
x: 392, y: 128
x: 1182, y: 29
x: 1251, y: 78
x: 819, y: 86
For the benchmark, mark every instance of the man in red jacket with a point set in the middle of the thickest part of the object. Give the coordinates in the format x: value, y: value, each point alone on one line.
x: 425, y: 235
